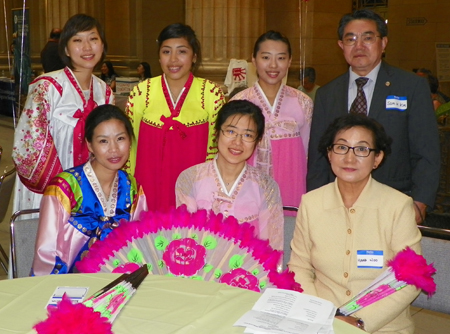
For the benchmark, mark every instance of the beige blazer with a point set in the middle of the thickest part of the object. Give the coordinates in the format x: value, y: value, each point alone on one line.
x: 327, y: 237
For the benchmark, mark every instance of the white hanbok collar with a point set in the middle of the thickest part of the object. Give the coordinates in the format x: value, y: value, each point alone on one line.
x: 222, y: 184
x: 108, y: 205
x: 174, y: 103
x: 264, y: 97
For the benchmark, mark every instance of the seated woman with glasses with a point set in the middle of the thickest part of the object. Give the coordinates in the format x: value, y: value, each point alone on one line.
x: 227, y: 184
x: 340, y: 222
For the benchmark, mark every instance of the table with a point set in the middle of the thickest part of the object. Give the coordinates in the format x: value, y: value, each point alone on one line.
x: 161, y: 305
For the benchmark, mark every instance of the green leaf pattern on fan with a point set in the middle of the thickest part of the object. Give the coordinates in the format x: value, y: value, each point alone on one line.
x: 210, y: 242
x: 135, y: 255
x: 206, y: 272
x: 236, y: 261
x: 161, y: 243
x: 207, y: 268
x: 262, y: 284
x: 217, y: 273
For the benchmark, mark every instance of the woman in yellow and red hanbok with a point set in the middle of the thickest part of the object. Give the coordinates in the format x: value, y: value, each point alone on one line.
x: 173, y: 118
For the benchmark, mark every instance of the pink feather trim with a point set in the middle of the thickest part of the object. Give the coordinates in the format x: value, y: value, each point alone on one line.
x: 67, y: 318
x: 413, y: 269
x: 285, y: 280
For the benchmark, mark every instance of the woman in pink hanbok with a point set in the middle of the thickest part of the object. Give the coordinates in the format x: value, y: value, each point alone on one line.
x: 282, y: 151
x: 49, y: 137
x: 230, y: 186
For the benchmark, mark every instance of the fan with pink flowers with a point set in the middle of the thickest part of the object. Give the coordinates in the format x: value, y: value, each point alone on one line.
x: 201, y: 246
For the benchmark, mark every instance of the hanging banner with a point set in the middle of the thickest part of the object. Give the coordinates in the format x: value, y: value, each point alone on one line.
x: 22, y: 59
x: 443, y: 61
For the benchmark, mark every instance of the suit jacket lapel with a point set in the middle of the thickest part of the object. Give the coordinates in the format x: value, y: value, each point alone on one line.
x: 342, y: 95
x: 381, y: 91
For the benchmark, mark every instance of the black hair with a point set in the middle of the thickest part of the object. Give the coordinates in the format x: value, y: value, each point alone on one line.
x: 111, y: 70
x: 147, y: 69
x: 104, y: 113
x: 241, y: 107
x: 76, y: 24
x: 363, y: 14
x: 236, y: 90
x: 433, y: 82
x: 55, y: 33
x: 381, y: 140
x: 272, y: 36
x: 425, y: 71
x: 308, y: 72
x: 180, y: 30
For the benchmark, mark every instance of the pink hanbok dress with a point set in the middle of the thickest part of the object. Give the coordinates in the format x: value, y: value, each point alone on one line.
x: 283, y: 150
x: 254, y: 198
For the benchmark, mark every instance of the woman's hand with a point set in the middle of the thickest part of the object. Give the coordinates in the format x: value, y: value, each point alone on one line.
x: 352, y: 321
x: 421, y: 211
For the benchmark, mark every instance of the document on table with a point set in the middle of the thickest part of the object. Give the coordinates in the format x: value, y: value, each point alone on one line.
x: 289, y: 312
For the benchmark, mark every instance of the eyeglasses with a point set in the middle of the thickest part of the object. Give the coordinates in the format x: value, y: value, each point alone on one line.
x: 359, y: 151
x: 367, y: 38
x: 247, y: 137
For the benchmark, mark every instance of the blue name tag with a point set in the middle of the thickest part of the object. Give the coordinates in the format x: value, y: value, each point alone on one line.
x: 372, y: 259
x: 399, y: 103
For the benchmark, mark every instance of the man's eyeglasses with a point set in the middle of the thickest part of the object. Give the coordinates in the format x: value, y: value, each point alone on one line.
x: 359, y: 151
x: 248, y: 136
x: 367, y: 38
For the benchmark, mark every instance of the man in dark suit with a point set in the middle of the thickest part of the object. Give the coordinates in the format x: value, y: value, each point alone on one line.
x: 399, y: 100
x: 50, y: 59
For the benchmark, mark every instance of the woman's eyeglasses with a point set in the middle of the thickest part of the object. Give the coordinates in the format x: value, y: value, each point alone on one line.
x: 247, y: 137
x: 359, y: 151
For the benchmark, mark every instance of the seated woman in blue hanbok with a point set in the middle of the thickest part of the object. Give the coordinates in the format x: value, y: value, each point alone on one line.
x: 85, y: 203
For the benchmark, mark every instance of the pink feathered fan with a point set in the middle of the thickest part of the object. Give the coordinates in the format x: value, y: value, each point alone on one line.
x: 200, y: 246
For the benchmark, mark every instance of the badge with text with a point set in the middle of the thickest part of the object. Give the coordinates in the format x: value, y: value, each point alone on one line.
x: 76, y: 294
x: 399, y: 103
x: 372, y: 259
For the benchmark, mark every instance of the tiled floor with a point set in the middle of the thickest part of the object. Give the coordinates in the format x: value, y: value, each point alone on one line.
x: 427, y: 322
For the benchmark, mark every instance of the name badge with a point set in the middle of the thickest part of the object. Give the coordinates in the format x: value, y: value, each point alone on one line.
x: 399, y: 103
x: 369, y: 259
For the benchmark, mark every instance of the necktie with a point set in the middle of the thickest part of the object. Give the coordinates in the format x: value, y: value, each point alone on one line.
x: 359, y: 105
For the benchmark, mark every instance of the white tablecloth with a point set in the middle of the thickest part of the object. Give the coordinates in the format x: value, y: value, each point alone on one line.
x: 161, y: 305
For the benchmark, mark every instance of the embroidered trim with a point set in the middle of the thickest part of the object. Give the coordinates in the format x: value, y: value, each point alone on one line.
x: 222, y: 196
x: 109, y: 206
x: 265, y: 103
x: 74, y: 83
x: 52, y: 81
x: 175, y: 111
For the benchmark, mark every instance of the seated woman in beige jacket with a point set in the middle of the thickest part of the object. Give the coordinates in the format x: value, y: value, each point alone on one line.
x: 355, y: 214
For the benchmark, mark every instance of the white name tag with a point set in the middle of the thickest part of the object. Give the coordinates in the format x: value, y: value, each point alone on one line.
x: 399, y: 103
x: 369, y: 259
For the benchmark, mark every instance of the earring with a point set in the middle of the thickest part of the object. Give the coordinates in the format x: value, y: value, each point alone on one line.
x: 375, y: 167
